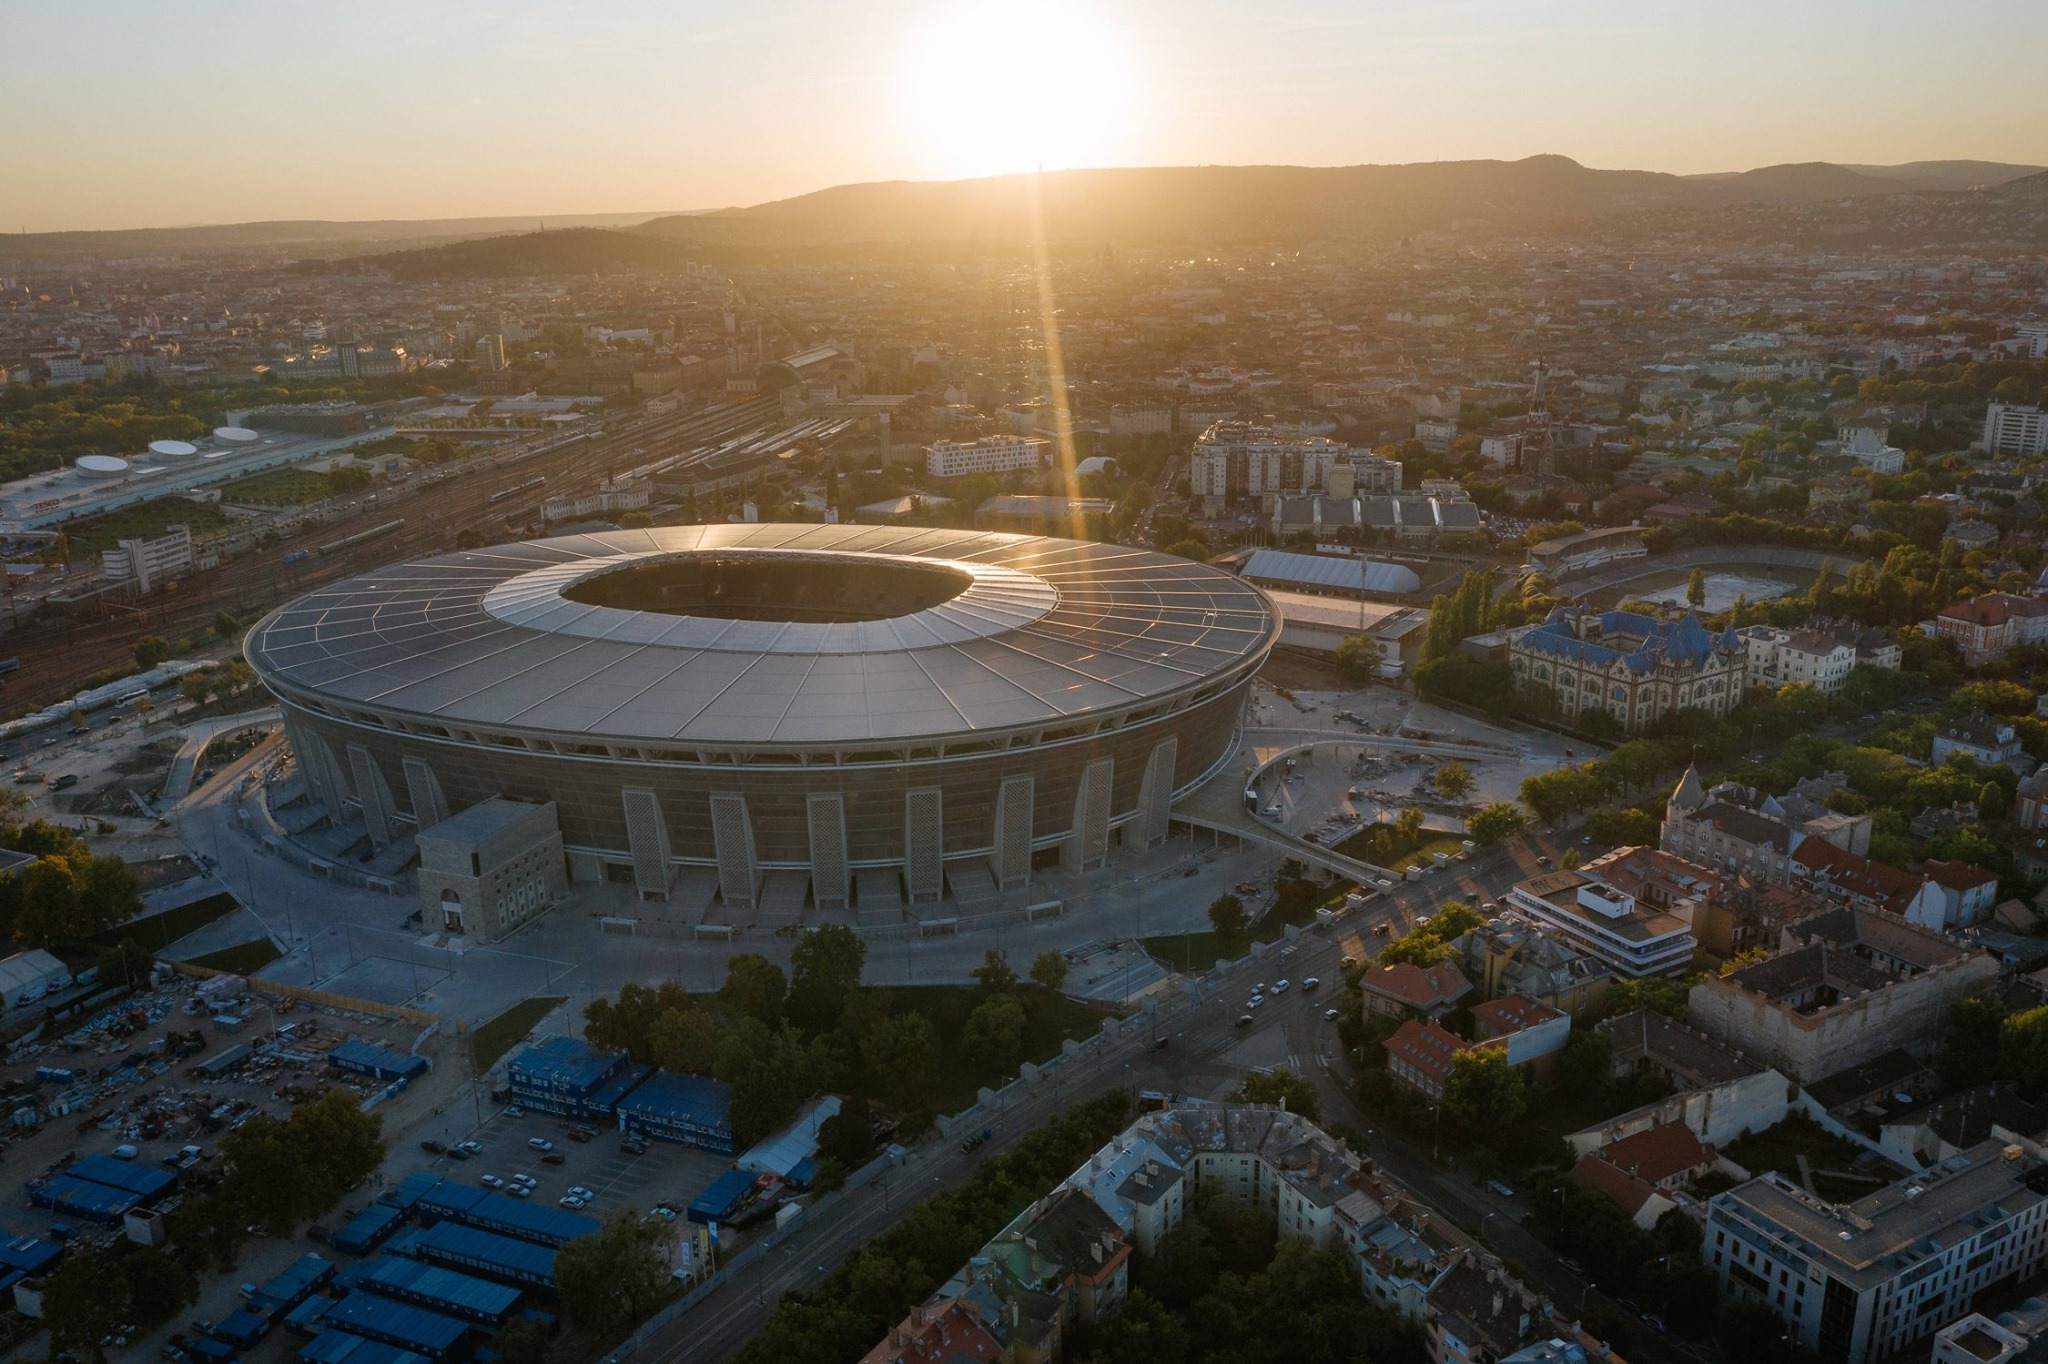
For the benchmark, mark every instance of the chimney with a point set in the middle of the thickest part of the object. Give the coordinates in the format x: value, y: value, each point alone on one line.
x: 1498, y: 1302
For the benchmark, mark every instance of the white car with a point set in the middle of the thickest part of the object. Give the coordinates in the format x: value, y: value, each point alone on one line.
x: 490, y: 1181
x: 572, y: 1201
x: 519, y: 1190
x: 1255, y: 1002
x: 578, y: 1191
x: 540, y: 1143
x: 527, y: 1181
x: 1280, y: 987
x: 1330, y: 1015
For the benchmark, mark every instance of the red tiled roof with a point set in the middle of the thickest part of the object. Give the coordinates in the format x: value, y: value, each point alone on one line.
x: 1509, y: 1014
x: 1957, y: 875
x: 954, y: 1333
x: 1417, y: 986
x: 1596, y: 1174
x: 1993, y: 608
x: 1858, y: 874
x: 1658, y: 1154
x: 1428, y: 1047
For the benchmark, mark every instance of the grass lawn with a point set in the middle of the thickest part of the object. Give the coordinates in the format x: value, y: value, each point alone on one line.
x: 1779, y: 1148
x: 1200, y: 951
x: 144, y: 520
x: 496, y: 1037
x: 1053, y: 1018
x: 1400, y: 853
x: 243, y: 959
x: 277, y: 488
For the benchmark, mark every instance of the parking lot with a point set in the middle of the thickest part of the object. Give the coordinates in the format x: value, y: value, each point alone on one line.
x: 666, y: 1173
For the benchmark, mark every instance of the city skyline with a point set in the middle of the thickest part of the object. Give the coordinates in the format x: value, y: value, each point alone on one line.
x: 219, y: 112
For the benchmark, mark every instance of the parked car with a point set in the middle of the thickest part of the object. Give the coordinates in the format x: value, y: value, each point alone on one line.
x: 1159, y: 1044
x: 528, y: 1180
x: 1244, y: 1020
x: 432, y: 1147
x: 457, y: 1153
x: 633, y: 1146
x: 475, y: 1148
x: 1308, y: 987
x: 540, y: 1143
x: 572, y: 1201
x: 1280, y: 986
x: 519, y: 1190
x: 579, y: 1191
x: 553, y: 1158
x: 490, y: 1181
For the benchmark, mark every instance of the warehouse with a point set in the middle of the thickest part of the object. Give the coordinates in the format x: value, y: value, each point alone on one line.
x: 792, y: 701
x: 685, y: 1108
x: 1319, y: 624
x: 498, y: 1257
x: 440, y: 1290
x: 400, y: 1324
x: 27, y: 976
x: 1327, y: 576
x: 358, y: 1057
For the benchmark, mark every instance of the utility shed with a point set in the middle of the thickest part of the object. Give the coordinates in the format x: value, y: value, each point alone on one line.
x: 339, y: 1347
x: 358, y: 1057
x: 441, y: 1290
x: 400, y: 1324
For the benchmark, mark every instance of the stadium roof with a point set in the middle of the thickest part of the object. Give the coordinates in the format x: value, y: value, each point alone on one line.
x: 1315, y: 570
x: 1043, y: 631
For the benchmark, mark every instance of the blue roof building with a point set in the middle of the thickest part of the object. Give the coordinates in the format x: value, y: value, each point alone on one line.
x: 358, y: 1057
x: 685, y: 1108
x: 339, y: 1347
x: 1636, y: 669
x: 572, y: 1078
x: 396, y: 1323
x: 441, y: 1290
x: 505, y: 1258
x: 288, y: 1289
x: 496, y: 1212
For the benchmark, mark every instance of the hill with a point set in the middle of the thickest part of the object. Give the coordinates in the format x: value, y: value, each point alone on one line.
x: 310, y: 235
x: 572, y: 251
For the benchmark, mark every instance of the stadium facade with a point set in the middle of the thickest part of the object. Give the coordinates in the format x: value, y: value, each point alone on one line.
x: 753, y: 698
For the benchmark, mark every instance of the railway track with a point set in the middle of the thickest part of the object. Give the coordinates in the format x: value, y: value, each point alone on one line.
x: 58, y: 655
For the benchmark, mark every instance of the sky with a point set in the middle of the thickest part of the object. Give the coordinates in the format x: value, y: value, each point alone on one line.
x: 128, y: 114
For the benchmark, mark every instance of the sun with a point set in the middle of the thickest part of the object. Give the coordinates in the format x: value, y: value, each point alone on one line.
x: 993, y: 88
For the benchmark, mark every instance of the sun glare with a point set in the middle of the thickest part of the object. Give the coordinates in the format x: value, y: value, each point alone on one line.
x: 994, y: 88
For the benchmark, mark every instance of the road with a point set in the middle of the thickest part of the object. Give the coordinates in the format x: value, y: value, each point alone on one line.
x: 1206, y: 1055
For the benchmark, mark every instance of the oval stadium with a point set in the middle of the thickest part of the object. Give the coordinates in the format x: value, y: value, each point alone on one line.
x: 853, y: 703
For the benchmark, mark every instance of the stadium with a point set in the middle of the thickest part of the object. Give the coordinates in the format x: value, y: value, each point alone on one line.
x: 843, y: 702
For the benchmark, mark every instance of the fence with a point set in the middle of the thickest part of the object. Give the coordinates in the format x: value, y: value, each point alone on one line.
x: 320, y: 998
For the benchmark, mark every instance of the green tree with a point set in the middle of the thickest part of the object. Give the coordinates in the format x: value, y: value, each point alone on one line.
x: 225, y: 626
x: 902, y: 1052
x: 160, y: 1285
x: 1570, y: 861
x: 523, y: 1341
x: 848, y: 1136
x: 1696, y: 589
x: 1358, y: 657
x: 995, y: 975
x: 683, y: 1041
x: 1494, y: 822
x: 151, y: 650
x: 1049, y: 968
x: 824, y: 971
x: 1585, y: 1064
x: 1282, y: 1087
x: 1968, y: 1053
x: 635, y: 520
x: 84, y: 1299
x: 770, y: 1073
x: 754, y: 986
x: 1454, y: 779
x: 1227, y: 918
x: 1483, y: 1093
x: 1189, y: 549
x: 613, y: 1277
x: 1623, y: 827
x: 347, y: 478
x: 2023, y: 1049
x: 993, y: 1037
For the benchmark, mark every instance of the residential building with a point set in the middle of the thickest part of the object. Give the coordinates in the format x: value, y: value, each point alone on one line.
x: 1405, y: 990
x: 1863, y: 1281
x: 1866, y: 445
x: 1845, y: 986
x: 1969, y: 893
x: 1851, y: 879
x: 1141, y: 419
x: 2030, y: 801
x: 1777, y: 657
x: 1735, y: 830
x: 1637, y: 669
x: 1632, y: 936
x: 1512, y: 955
x: 1987, y: 738
x: 1985, y: 627
x: 988, y: 455
x: 1419, y: 1056
x: 490, y: 352
x: 1233, y: 459
x: 2012, y: 429
x: 1716, y: 1094
x: 1531, y: 1033
x: 1645, y: 1171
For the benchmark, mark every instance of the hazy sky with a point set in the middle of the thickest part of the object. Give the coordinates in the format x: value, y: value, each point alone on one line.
x: 119, y: 113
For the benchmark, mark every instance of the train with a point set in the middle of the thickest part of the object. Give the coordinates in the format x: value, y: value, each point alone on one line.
x: 518, y: 488
x: 360, y: 537
x: 297, y: 555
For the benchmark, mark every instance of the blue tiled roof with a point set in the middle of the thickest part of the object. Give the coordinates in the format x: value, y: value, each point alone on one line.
x: 1687, y: 642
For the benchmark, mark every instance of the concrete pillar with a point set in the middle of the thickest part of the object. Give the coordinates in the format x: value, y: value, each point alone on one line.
x: 732, y: 835
x: 1011, y: 863
x: 924, y: 845
x: 647, y: 837
x: 1155, y: 797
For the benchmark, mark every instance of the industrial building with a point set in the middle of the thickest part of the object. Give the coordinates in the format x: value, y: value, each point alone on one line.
x: 755, y: 699
x: 570, y: 1077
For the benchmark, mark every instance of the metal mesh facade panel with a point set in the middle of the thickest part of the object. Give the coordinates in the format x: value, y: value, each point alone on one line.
x: 647, y: 836
x: 429, y: 806
x: 923, y: 851
x: 1155, y: 798
x: 827, y: 819
x: 739, y: 878
x: 1012, y: 860
x: 369, y: 789
x: 1089, y: 846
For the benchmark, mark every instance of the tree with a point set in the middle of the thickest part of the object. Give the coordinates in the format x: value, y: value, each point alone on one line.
x: 1483, y: 1093
x: 755, y: 987
x: 151, y: 650
x: 1281, y: 1087
x: 1586, y: 1063
x: 1623, y: 827
x: 1359, y: 658
x: 902, y: 1051
x: 2023, y: 1049
x: 1408, y: 825
x: 1189, y: 549
x: 1049, y: 968
x: 1570, y: 861
x: 1968, y: 1053
x: 995, y: 975
x: 635, y: 520
x: 83, y: 1301
x: 1454, y: 780
x: 1494, y: 822
x: 683, y: 1041
x: 523, y: 1341
x: 993, y: 1036
x: 824, y: 971
x: 160, y: 1285
x: 1696, y: 589
x: 1227, y: 918
x: 614, y: 1276
x: 225, y: 626
x: 848, y: 1136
